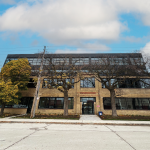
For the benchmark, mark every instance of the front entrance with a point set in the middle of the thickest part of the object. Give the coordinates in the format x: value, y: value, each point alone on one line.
x: 87, y: 105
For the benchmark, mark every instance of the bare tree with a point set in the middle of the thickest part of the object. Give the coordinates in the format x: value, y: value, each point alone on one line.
x: 60, y: 74
x: 112, y: 71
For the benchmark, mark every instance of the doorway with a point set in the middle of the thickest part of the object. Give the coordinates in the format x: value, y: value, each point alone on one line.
x: 88, y: 105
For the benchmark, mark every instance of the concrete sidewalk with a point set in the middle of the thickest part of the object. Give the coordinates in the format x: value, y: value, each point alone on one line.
x: 82, y: 121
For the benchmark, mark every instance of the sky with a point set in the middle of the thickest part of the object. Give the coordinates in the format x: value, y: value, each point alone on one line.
x: 74, y: 26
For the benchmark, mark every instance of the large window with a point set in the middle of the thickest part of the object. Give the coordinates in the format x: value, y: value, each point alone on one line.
x: 116, y: 61
x: 128, y: 103
x: 80, y: 61
x: 31, y: 83
x: 87, y: 83
x: 55, y: 102
x: 99, y: 61
x: 24, y: 102
x: 35, y: 61
x: 60, y: 61
x: 130, y: 83
x: 136, y: 61
x: 47, y: 82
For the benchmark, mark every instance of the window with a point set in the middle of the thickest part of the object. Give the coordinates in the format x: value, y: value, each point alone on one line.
x: 87, y: 83
x: 145, y: 83
x: 9, y: 59
x: 125, y: 61
x: 111, y: 82
x: 136, y: 61
x: 60, y: 61
x: 46, y: 61
x: 24, y: 102
x: 87, y: 99
x: 128, y: 103
x: 31, y: 83
x: 55, y: 102
x: 47, y: 82
x: 98, y: 61
x: 80, y: 61
x: 35, y: 61
x: 116, y: 61
x: 130, y: 83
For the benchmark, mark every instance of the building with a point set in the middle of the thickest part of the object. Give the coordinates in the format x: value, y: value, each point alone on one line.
x: 84, y: 97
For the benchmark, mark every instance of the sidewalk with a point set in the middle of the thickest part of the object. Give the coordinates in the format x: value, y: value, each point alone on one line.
x: 82, y: 121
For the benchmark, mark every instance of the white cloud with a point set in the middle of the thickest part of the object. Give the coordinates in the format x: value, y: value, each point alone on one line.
x: 63, y: 20
x: 9, y: 2
x: 146, y: 50
x: 69, y: 21
x: 85, y: 48
x: 146, y: 55
x: 138, y: 7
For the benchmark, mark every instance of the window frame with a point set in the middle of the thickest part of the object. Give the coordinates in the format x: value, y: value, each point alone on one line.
x: 48, y: 99
x: 83, y: 82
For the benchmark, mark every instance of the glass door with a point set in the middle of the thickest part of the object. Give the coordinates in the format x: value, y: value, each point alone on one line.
x: 88, y: 107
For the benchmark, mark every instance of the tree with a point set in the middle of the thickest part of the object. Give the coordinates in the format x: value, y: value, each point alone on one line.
x: 18, y: 71
x: 61, y: 75
x: 14, y: 77
x: 112, y: 72
x: 8, y: 93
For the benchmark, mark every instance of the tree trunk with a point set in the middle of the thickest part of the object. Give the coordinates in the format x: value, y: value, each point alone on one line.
x: 113, y: 103
x: 2, y: 109
x: 66, y: 103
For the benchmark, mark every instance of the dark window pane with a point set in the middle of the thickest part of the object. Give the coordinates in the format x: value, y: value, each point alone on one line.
x: 128, y: 103
x: 70, y: 103
x: 107, y: 103
x: 87, y: 83
x: 55, y: 102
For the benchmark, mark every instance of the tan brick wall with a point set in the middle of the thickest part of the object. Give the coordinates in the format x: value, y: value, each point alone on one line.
x: 97, y: 92
x: 129, y: 112
x: 15, y: 110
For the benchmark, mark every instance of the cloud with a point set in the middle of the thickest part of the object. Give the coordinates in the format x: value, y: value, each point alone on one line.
x: 9, y: 2
x: 71, y: 21
x: 138, y: 7
x: 146, y: 49
x: 86, y: 48
x: 63, y: 20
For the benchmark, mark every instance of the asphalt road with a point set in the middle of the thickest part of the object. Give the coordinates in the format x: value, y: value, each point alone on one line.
x: 33, y: 136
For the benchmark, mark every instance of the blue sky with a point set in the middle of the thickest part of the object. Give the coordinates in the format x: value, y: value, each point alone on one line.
x: 74, y: 26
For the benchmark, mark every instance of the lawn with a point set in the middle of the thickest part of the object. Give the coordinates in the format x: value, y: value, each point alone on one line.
x: 126, y: 117
x: 44, y: 116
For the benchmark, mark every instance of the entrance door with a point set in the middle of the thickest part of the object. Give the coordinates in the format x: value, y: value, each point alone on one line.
x: 88, y: 107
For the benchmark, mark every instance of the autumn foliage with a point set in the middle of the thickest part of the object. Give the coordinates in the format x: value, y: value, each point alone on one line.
x: 8, y: 93
x: 14, y: 76
x: 18, y: 71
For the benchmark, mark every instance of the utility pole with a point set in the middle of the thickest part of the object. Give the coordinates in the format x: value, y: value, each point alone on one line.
x: 37, y: 87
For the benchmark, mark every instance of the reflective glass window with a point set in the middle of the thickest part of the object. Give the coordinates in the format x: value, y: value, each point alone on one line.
x: 80, y: 61
x: 87, y: 83
x: 55, y: 102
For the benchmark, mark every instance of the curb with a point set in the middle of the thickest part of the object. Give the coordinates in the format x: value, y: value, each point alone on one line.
x: 76, y: 123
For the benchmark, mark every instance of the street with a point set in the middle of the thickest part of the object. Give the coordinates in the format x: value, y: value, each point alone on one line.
x: 34, y: 136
